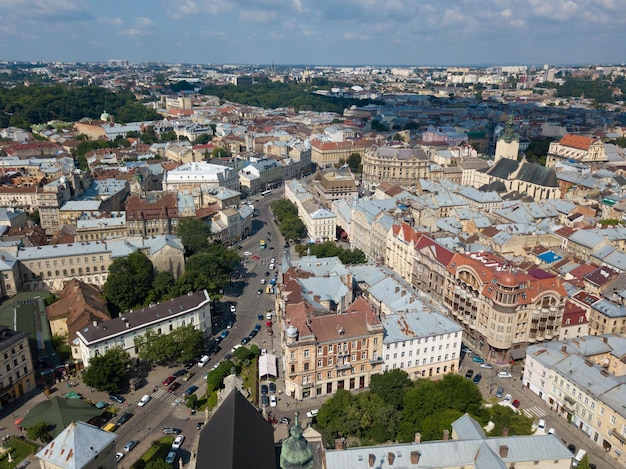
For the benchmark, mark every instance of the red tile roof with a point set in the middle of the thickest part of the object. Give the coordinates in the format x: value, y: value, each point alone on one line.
x: 576, y: 141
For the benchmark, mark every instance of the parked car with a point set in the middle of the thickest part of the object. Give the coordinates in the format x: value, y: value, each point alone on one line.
x: 224, y: 334
x: 272, y: 387
x: 119, y: 457
x: 125, y: 417
x: 550, y: 431
x: 171, y: 457
x: 233, y: 309
x: 130, y: 445
x: 273, y: 401
x: 486, y: 365
x: 541, y: 425
x: 230, y: 323
x: 188, y: 376
x: 169, y: 380
x: 477, y: 359
x: 469, y: 374
x: 312, y: 413
x: 477, y: 378
x: 499, y: 392
x: 245, y: 340
x: 174, y: 386
x: 178, y: 441
x: 252, y: 334
x: 515, y: 403
x: 504, y: 374
x: 259, y: 292
x: 190, y: 390
x: 179, y: 373
x: 265, y: 401
x: 507, y: 398
x: 263, y: 281
x: 264, y: 389
x: 285, y: 420
x: 199, y: 425
x: 117, y: 398
x: 171, y: 431
x: 144, y: 400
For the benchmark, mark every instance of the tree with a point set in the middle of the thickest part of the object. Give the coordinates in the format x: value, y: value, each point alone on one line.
x: 39, y: 431
x: 192, y: 401
x: 354, y: 161
x: 210, y: 270
x: 194, y: 234
x: 391, y: 386
x: 379, y: 126
x: 203, y: 139
x: 34, y: 217
x: 129, y: 281
x: 161, y: 287
x: 61, y: 347
x: 181, y: 345
x: 219, y: 153
x: 157, y: 464
x: 584, y: 463
x: 106, y: 371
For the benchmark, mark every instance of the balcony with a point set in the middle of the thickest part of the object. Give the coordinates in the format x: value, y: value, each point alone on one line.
x: 343, y: 366
x: 376, y: 361
x: 569, y: 404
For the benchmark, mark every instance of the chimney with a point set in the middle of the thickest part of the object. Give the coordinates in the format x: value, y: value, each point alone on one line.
x: 372, y: 460
x: 390, y: 458
x: 397, y: 289
x: 415, y: 457
x: 418, y: 437
x: 504, y: 451
x: 505, y: 432
x: 340, y: 444
x: 604, y: 339
x: 564, y: 348
x: 446, y: 435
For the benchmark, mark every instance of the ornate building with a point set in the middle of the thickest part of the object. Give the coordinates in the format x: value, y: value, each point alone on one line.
x: 399, y: 166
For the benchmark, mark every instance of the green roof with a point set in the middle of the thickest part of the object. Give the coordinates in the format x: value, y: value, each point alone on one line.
x: 58, y: 413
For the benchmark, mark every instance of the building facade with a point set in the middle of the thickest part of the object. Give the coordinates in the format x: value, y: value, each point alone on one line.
x: 18, y: 373
x: 398, y: 166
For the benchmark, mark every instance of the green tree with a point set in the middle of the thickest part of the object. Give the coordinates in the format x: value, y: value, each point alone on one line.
x: 203, y: 139
x: 210, y: 270
x: 354, y: 161
x: 192, y: 401
x: 34, y: 217
x: 243, y: 353
x: 584, y: 462
x: 129, y: 281
x: 292, y: 228
x: 391, y: 386
x: 503, y: 416
x: 106, y: 371
x: 219, y: 153
x: 61, y: 347
x: 161, y: 287
x: 194, y: 234
x: 39, y: 431
x: 181, y: 345
x: 157, y: 464
x: 378, y: 126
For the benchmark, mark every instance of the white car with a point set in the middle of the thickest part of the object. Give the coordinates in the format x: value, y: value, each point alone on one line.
x: 263, y: 281
x: 247, y: 253
x: 178, y: 442
x: 144, y: 400
x: 312, y: 413
x: 504, y: 374
x: 232, y: 350
x: 233, y: 309
x: 273, y: 401
x: 507, y: 398
x: 119, y: 456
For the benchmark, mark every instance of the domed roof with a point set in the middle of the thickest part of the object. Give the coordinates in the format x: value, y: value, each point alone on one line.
x: 296, y: 452
x: 292, y: 332
x: 507, y: 279
x: 105, y: 116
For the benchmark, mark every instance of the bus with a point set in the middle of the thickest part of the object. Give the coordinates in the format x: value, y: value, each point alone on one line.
x: 267, y: 192
x: 262, y: 244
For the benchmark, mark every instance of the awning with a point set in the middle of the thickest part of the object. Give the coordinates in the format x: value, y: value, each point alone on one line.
x: 267, y: 365
x: 518, y: 353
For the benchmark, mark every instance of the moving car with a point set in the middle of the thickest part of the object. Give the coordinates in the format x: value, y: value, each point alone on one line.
x: 130, y: 445
x: 504, y: 374
x: 169, y: 380
x: 117, y: 398
x: 178, y: 442
x: 125, y: 417
x: 190, y: 390
x: 247, y: 253
x: 171, y: 457
x: 171, y: 431
x: 144, y: 400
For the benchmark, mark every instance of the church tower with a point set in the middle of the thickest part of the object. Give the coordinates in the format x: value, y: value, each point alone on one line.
x: 508, y: 144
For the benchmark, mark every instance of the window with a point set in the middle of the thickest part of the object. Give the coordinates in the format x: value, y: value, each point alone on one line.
x: 307, y: 353
x: 319, y: 363
x: 320, y: 350
x: 330, y: 374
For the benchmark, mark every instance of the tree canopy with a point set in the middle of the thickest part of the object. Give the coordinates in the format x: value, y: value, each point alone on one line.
x: 182, y: 345
x: 330, y: 249
x: 194, y: 234
x: 290, y: 225
x: 105, y: 372
x: 129, y: 281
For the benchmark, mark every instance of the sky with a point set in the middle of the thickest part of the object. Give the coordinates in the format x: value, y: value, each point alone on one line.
x: 316, y: 32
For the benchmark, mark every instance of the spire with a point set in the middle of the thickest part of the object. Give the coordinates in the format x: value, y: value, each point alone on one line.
x: 296, y: 452
x: 509, y: 131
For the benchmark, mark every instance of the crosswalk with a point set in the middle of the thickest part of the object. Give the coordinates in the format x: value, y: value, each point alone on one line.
x: 535, y: 411
x: 167, y: 397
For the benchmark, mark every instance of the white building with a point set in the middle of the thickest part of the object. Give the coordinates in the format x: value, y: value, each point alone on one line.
x: 198, y: 175
x: 162, y: 318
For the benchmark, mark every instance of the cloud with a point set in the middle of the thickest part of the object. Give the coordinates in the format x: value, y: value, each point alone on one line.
x: 110, y: 21
x: 141, y: 27
x: 49, y: 10
x: 179, y: 9
x: 258, y: 16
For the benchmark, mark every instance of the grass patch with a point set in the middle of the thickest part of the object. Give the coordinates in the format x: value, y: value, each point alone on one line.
x: 211, y: 402
x: 249, y: 374
x: 20, y: 451
x: 158, y: 449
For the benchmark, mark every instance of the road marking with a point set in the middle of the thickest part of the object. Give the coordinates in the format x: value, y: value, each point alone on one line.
x: 536, y: 411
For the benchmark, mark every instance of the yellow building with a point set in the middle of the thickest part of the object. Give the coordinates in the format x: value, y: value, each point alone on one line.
x: 18, y: 373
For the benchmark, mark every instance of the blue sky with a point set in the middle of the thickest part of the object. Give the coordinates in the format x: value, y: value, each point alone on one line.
x: 342, y: 32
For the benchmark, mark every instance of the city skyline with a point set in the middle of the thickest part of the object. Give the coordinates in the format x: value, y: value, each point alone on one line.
x: 377, y: 32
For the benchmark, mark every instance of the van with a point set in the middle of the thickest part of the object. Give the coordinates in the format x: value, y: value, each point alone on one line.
x: 541, y: 425
x: 579, y: 457
x: 110, y: 427
x: 203, y: 361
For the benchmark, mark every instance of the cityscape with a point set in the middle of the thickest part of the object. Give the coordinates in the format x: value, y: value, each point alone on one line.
x: 292, y: 265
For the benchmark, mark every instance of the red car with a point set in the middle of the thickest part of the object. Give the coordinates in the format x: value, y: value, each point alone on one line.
x: 174, y: 386
x: 168, y: 380
x: 515, y: 403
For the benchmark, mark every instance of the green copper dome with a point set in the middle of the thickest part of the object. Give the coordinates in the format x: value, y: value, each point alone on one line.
x: 296, y: 452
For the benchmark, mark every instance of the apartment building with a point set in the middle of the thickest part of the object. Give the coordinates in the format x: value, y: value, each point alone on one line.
x: 101, y: 228
x: 325, y: 352
x: 582, y: 380
x: 423, y: 343
x: 17, y: 373
x: 502, y: 308
x: 96, y: 339
x: 321, y: 224
x: 399, y: 166
x: 153, y: 213
x: 325, y: 154
x: 196, y: 175
x: 335, y: 185
x: 575, y: 147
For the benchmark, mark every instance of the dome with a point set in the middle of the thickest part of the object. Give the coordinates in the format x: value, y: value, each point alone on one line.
x: 292, y: 332
x: 296, y: 452
x: 507, y: 279
x: 105, y: 116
